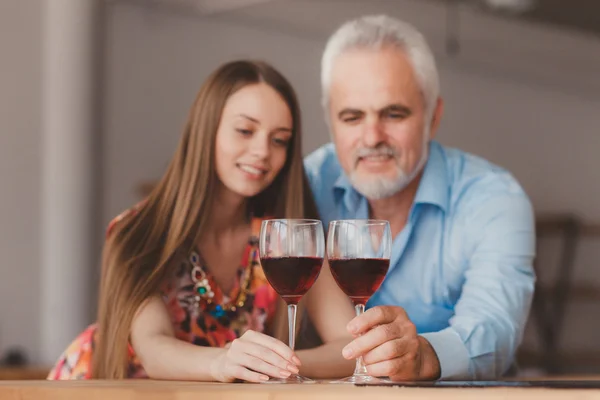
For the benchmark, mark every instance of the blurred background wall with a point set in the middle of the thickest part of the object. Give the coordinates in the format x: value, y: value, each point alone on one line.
x: 20, y: 173
x: 522, y: 90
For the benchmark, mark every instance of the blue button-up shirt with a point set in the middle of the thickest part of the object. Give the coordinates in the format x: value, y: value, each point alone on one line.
x: 462, y: 265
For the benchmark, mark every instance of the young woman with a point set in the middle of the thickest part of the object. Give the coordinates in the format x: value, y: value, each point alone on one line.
x: 182, y: 294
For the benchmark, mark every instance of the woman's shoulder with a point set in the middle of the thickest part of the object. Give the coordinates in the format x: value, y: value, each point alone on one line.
x: 130, y: 212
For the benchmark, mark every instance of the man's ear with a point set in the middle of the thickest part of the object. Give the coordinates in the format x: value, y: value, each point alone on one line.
x: 436, y: 117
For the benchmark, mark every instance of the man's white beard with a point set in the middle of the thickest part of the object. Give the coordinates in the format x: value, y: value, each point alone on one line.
x: 375, y: 187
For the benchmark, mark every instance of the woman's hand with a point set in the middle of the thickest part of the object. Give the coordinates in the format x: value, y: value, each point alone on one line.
x: 254, y: 357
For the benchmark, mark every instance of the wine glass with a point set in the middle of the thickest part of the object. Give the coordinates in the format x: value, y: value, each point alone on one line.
x: 358, y: 252
x: 291, y: 254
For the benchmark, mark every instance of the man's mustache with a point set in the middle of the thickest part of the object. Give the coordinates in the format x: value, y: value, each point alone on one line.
x: 381, y: 150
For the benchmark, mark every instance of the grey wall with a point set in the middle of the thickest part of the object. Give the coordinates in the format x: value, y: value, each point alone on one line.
x: 20, y: 86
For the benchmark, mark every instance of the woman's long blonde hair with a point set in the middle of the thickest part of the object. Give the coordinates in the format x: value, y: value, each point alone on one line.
x: 138, y: 254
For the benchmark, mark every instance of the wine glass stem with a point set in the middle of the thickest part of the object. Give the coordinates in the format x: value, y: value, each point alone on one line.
x: 292, y: 325
x: 360, y: 368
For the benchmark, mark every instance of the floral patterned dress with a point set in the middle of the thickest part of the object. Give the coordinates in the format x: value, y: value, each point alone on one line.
x: 200, y: 312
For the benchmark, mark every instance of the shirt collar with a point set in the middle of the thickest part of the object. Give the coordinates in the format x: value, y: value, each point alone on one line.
x: 434, y: 186
x: 344, y: 191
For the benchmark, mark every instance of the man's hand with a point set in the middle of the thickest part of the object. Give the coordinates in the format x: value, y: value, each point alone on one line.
x: 390, y: 346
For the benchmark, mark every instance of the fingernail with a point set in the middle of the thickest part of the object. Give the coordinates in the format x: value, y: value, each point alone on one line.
x: 293, y: 368
x: 285, y: 374
x: 347, y: 352
x: 296, y: 361
x: 264, y: 378
x: 352, y: 328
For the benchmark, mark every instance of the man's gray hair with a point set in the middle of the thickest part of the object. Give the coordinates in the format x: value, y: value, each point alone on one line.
x: 374, y: 32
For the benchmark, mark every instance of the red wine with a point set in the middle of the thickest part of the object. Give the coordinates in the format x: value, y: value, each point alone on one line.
x: 291, y: 277
x: 359, y: 278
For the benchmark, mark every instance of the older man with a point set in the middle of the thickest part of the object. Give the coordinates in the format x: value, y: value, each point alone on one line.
x: 457, y: 295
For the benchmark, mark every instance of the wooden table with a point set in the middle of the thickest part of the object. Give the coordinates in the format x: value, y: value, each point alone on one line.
x: 152, y: 390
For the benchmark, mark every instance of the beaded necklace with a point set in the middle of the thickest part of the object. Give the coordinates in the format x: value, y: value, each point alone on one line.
x: 204, y: 294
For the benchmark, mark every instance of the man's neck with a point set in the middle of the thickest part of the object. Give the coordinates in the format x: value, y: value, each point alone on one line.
x: 396, y: 208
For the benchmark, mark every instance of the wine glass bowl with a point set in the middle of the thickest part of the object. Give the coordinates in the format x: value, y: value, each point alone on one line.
x: 292, y: 277
x: 359, y: 278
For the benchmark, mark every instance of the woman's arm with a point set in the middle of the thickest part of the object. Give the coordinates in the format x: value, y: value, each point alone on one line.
x: 330, y: 310
x: 253, y: 357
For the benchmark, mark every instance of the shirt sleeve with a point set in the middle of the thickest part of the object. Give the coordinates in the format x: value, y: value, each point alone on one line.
x: 493, y: 307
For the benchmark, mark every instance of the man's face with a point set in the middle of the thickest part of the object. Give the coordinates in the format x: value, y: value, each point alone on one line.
x: 378, y: 119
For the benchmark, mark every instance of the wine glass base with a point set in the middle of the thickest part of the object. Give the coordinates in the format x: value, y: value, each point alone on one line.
x: 292, y: 379
x: 362, y: 380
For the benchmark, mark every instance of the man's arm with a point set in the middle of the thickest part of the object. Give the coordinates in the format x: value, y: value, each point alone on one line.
x: 490, y: 314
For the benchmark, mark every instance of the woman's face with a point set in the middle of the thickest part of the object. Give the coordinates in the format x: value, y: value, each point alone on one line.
x: 252, y: 139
